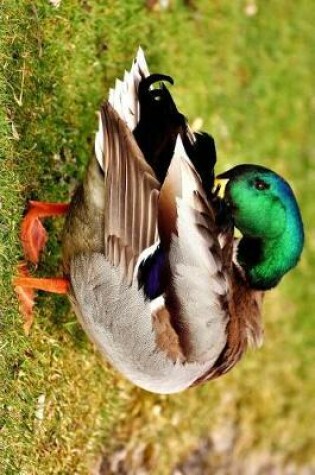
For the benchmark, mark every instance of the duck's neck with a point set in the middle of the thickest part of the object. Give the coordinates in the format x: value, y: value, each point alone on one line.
x: 266, y: 260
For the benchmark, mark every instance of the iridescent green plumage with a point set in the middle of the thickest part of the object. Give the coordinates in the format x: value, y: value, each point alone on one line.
x: 266, y: 212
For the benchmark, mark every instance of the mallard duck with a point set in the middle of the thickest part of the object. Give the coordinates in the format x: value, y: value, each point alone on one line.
x: 151, y: 265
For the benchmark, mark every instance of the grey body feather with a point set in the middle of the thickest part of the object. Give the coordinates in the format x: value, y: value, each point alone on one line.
x: 118, y: 321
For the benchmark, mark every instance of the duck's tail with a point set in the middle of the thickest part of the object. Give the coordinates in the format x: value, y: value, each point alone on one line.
x: 151, y: 114
x: 124, y: 97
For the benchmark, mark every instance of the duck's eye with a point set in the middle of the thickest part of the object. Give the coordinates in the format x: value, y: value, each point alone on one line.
x: 260, y: 184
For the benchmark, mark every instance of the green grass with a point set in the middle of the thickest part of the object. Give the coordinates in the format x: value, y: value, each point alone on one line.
x: 250, y: 80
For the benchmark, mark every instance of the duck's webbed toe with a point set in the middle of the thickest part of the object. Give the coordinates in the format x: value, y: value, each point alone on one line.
x: 33, y: 233
x: 26, y: 286
x: 33, y: 236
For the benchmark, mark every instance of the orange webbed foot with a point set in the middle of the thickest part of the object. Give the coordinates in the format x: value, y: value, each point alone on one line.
x: 33, y: 233
x: 34, y: 238
x: 25, y: 288
x: 26, y: 298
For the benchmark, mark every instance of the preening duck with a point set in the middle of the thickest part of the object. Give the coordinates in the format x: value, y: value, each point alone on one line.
x: 151, y: 265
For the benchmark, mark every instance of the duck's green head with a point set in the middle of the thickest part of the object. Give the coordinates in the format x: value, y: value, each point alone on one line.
x: 265, y: 210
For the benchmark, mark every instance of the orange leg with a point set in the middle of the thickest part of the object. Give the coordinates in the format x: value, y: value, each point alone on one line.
x: 56, y: 285
x: 25, y: 287
x: 33, y: 233
x: 34, y: 237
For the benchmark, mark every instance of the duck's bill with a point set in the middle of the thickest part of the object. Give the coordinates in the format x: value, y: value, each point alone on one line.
x: 237, y: 233
x: 219, y: 186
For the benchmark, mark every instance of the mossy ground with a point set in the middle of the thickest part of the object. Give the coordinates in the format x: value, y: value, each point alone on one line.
x: 250, y: 79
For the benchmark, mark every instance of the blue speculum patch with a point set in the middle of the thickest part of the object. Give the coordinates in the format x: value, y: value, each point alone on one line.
x: 150, y: 274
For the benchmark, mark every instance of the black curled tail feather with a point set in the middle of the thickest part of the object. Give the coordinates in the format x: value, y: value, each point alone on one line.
x: 146, y: 83
x: 159, y: 126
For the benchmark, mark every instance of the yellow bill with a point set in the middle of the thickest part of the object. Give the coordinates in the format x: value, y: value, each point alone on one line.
x: 220, y: 183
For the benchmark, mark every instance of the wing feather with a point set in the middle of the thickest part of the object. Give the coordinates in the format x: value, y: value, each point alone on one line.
x: 131, y: 194
x: 199, y: 286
